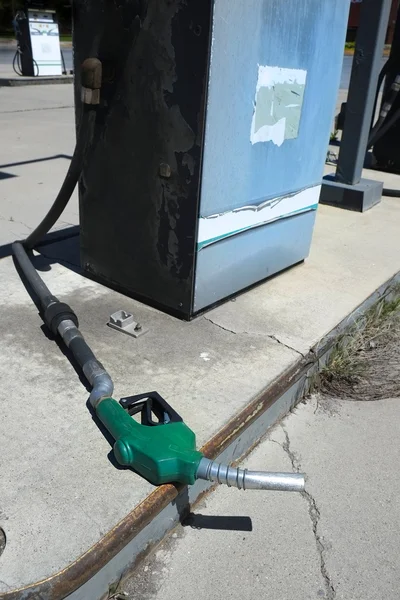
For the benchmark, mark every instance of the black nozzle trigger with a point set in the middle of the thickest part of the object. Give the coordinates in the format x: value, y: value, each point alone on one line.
x: 149, y: 405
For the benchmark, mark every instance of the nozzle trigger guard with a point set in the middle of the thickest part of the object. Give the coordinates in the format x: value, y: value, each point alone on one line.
x: 148, y: 405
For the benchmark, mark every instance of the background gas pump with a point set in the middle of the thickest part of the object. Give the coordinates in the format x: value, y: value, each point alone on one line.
x: 38, y: 41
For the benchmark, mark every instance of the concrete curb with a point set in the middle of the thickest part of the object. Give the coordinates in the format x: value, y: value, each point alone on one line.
x: 18, y: 81
x: 120, y: 550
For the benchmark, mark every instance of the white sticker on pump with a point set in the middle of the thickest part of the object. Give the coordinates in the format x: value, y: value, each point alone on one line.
x: 278, y: 104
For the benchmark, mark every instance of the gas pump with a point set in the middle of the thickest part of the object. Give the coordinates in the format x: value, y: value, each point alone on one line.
x: 38, y: 41
x: 199, y: 166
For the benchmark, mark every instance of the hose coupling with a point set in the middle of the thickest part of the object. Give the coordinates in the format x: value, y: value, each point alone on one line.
x: 100, y: 380
x: 57, y: 313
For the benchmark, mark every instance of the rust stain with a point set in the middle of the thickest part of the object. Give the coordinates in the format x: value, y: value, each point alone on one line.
x: 86, y: 566
x: 258, y: 406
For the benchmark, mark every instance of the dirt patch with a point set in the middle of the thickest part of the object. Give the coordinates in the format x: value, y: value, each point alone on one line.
x: 365, y: 365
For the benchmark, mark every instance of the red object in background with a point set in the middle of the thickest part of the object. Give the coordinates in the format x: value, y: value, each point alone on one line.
x: 354, y: 16
x: 354, y: 19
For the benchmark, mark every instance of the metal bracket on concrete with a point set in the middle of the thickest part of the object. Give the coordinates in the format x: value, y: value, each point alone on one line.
x: 359, y: 198
x: 346, y: 189
x: 124, y: 321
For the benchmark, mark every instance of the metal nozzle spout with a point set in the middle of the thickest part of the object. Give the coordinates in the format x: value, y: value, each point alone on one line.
x: 249, y: 480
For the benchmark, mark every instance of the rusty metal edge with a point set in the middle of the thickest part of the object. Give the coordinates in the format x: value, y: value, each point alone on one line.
x: 68, y: 580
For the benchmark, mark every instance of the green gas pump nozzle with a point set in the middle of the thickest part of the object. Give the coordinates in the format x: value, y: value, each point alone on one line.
x: 162, y: 448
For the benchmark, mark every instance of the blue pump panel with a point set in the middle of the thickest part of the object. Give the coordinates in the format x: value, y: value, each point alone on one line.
x: 211, y: 138
x: 274, y: 75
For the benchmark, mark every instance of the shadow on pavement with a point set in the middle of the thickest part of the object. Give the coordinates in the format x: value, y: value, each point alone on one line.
x: 35, y: 160
x: 60, y: 246
x: 197, y: 521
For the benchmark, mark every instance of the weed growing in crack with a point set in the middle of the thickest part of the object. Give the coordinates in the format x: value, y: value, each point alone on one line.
x: 364, y: 364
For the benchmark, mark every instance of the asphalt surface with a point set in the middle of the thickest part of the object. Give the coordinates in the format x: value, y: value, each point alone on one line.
x: 7, y: 55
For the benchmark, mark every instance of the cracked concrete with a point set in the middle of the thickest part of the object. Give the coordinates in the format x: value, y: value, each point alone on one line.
x: 261, y: 333
x: 337, y: 540
x: 315, y: 516
x: 25, y: 110
x: 274, y: 337
x: 274, y: 558
x: 5, y: 585
x: 219, y: 326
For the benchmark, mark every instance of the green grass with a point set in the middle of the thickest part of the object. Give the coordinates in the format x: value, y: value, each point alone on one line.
x: 350, y: 47
x: 334, y: 135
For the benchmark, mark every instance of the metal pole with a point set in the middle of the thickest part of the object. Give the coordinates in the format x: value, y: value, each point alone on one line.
x: 374, y: 18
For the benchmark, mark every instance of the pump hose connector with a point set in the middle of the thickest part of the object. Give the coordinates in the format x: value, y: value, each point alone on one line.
x: 249, y: 480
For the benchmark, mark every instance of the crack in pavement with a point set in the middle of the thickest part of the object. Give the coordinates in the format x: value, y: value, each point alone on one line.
x: 315, y: 516
x: 220, y: 326
x: 5, y: 584
x: 286, y: 345
x: 272, y: 337
x: 91, y: 519
x: 24, y: 110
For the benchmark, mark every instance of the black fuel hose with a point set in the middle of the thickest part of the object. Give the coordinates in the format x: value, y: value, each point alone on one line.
x: 21, y: 248
x: 91, y: 73
x: 384, y: 127
x: 381, y: 78
x: 63, y: 63
x: 69, y: 183
x: 383, y: 124
x: 17, y: 63
x: 392, y: 193
x: 58, y: 316
x: 32, y: 276
x: 376, y: 130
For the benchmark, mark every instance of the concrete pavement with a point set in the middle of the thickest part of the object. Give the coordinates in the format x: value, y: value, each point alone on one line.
x: 37, y: 141
x: 339, y: 540
x: 61, y: 495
